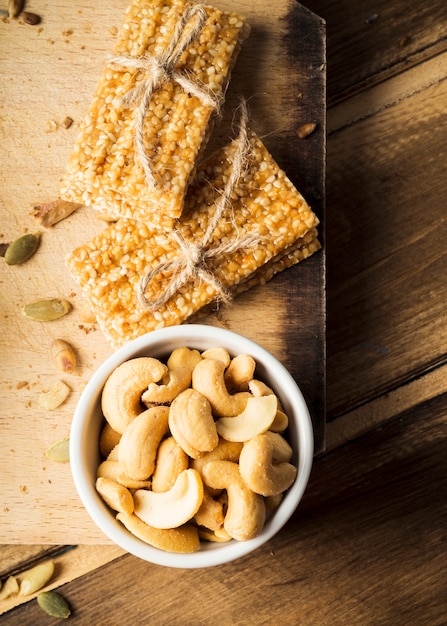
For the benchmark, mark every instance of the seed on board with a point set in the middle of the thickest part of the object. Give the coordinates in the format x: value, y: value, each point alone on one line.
x: 305, y: 130
x: 64, y: 356
x: 36, y: 578
x: 15, y: 7
x: 50, y: 213
x: 22, y: 249
x: 10, y: 588
x: 53, y: 604
x: 46, y: 310
x: 68, y: 122
x: 59, y: 451
x: 50, y: 400
x: 30, y: 18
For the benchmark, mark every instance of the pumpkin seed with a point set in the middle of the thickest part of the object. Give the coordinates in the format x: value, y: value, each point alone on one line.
x: 22, y: 249
x: 15, y: 7
x: 36, y: 578
x: 47, y: 310
x: 59, y: 451
x: 53, y: 604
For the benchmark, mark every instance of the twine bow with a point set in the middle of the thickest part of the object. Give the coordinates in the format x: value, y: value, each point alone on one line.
x: 192, y: 260
x: 159, y: 70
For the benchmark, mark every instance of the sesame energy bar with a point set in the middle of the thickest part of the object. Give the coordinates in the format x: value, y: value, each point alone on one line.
x: 152, y: 113
x: 265, y: 227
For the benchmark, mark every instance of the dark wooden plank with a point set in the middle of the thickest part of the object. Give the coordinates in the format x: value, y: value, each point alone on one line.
x: 386, y: 249
x: 376, y: 39
x: 367, y: 546
x: 303, y: 288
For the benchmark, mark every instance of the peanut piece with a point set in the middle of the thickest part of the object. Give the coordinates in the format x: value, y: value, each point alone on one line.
x: 52, y: 399
x: 10, y: 588
x: 64, y: 356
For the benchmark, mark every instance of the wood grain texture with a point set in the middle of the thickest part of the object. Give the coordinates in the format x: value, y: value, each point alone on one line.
x: 378, y: 40
x: 367, y: 547
x: 70, y: 562
x: 50, y: 72
x: 387, y: 251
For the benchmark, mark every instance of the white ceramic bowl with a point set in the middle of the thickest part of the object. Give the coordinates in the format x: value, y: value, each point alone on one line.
x: 88, y: 420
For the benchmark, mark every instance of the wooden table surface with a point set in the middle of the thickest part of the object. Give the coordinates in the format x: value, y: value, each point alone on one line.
x: 367, y: 546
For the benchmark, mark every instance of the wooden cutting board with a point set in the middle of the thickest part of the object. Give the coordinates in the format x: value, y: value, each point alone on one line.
x: 48, y: 73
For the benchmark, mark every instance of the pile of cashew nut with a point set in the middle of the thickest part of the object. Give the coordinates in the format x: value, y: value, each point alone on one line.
x: 192, y: 449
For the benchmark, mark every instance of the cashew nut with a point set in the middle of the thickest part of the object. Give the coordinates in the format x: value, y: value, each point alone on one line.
x: 108, y: 439
x: 138, y: 445
x: 121, y: 396
x: 210, y: 514
x: 115, y: 495
x: 264, y: 464
x: 273, y: 502
x: 280, y: 422
x: 183, y: 357
x: 259, y: 389
x: 220, y: 354
x: 181, y: 540
x: 113, y: 454
x: 113, y: 471
x: 170, y: 462
x: 218, y: 536
x: 245, y: 515
x: 208, y: 379
x: 192, y: 424
x: 224, y: 451
x: 173, y: 508
x: 174, y: 382
x: 181, y: 363
x: 256, y: 418
x: 240, y: 372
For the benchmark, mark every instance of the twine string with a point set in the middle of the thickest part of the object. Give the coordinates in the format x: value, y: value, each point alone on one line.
x: 159, y: 70
x: 192, y: 259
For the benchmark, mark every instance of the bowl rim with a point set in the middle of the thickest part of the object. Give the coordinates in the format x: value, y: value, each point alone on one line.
x: 191, y: 335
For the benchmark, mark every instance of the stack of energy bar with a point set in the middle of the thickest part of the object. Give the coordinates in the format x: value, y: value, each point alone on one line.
x: 186, y: 231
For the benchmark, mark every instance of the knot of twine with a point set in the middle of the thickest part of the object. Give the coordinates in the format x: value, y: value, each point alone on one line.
x: 192, y: 259
x: 159, y: 70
